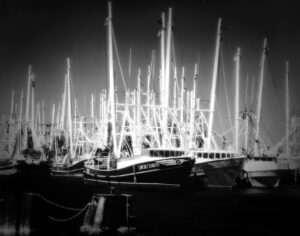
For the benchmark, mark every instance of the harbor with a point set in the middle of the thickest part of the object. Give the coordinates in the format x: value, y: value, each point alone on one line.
x: 152, y: 145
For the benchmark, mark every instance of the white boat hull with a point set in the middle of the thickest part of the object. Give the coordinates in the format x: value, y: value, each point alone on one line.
x: 262, y: 172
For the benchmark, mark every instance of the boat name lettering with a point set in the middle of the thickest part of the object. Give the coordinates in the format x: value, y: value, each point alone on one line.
x: 148, y: 166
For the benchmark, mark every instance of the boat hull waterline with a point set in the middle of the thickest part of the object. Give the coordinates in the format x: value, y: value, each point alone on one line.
x: 220, y: 173
x: 168, y: 172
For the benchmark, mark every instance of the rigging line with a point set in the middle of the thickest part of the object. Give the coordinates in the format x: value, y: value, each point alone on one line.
x: 225, y: 85
x: 274, y: 84
x: 117, y: 53
x: 295, y: 108
x: 269, y: 139
x: 219, y: 117
x: 73, y: 95
x: 275, y: 118
x: 174, y: 58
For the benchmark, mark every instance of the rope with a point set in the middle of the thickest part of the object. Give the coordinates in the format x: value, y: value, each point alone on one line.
x: 55, y: 204
x: 225, y: 85
x: 72, y: 217
x: 275, y: 86
x: 117, y: 53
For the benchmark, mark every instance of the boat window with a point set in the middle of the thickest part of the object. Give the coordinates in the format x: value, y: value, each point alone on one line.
x: 211, y: 155
x: 199, y: 154
x: 217, y: 155
x: 205, y: 155
x: 223, y: 155
x: 256, y: 158
x: 263, y: 158
x: 228, y: 155
x: 165, y: 153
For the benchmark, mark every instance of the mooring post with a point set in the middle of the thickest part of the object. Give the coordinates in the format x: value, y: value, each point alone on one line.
x: 89, y: 216
x: 25, y: 214
x: 99, y: 215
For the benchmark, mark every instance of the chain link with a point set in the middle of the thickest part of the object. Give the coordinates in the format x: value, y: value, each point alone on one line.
x: 72, y: 217
x: 55, y: 204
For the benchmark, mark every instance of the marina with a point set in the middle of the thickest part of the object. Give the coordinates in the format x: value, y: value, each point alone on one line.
x: 159, y: 148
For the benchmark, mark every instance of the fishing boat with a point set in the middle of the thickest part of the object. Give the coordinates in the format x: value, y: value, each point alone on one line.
x: 9, y: 144
x: 261, y: 165
x: 215, y: 166
x: 142, y: 167
x: 69, y: 142
x: 154, y: 167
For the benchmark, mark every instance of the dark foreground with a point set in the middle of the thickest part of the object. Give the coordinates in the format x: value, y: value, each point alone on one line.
x: 156, y: 212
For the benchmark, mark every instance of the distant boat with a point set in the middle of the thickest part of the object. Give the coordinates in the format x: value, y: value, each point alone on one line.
x: 262, y: 168
x: 216, y: 167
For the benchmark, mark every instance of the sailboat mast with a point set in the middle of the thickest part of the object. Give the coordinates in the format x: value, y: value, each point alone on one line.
x: 28, y: 94
x: 111, y: 78
x: 181, y: 97
x: 20, y: 121
x: 69, y: 109
x: 287, y: 108
x: 52, y: 122
x: 260, y: 90
x: 247, y: 116
x: 12, y: 106
x: 214, y: 84
x: 237, y: 98
x: 162, y: 58
x: 168, y: 58
x: 32, y: 102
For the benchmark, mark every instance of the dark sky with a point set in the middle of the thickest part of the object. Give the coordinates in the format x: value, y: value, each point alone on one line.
x: 44, y: 33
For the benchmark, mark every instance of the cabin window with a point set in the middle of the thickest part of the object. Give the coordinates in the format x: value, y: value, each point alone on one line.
x: 211, y: 155
x: 199, y: 154
x: 223, y: 155
x: 165, y: 153
x: 256, y: 158
x: 205, y: 155
x: 228, y: 155
x: 217, y: 155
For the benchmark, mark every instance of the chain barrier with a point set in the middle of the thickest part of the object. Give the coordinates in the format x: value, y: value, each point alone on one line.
x: 55, y: 204
x: 72, y: 217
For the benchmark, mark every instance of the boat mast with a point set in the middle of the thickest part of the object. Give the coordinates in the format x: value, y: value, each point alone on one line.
x: 214, y: 84
x: 32, y: 102
x: 162, y: 59
x: 62, y: 121
x: 237, y: 98
x: 12, y: 109
x: 247, y: 116
x: 111, y: 79
x: 43, y: 116
x: 168, y: 58
x: 181, y: 97
x: 166, y: 80
x: 20, y: 121
x: 148, y: 92
x: 260, y: 90
x: 287, y: 108
x: 69, y: 109
x: 28, y: 95
x: 52, y: 122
